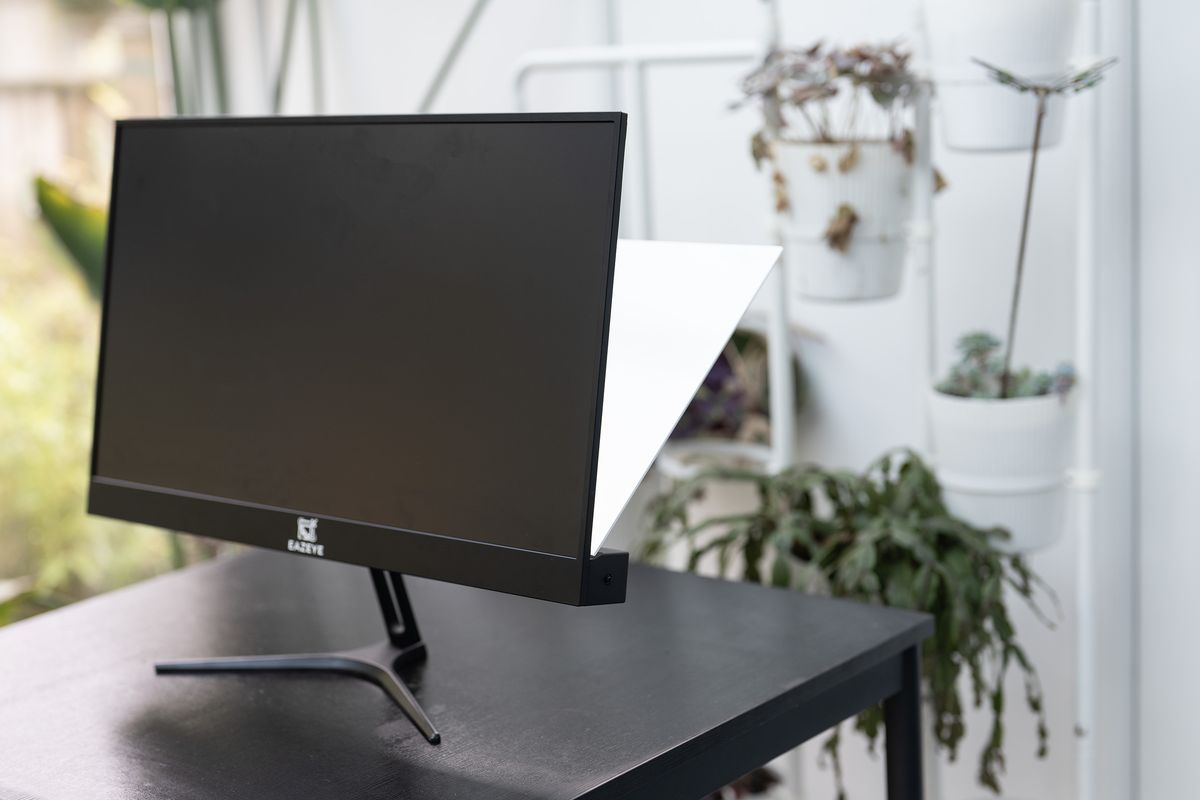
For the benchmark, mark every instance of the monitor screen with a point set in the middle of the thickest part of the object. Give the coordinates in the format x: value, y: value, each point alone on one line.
x: 395, y: 322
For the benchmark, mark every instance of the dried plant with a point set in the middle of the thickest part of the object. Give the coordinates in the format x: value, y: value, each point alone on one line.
x: 1067, y: 83
x: 806, y: 81
x: 841, y: 228
x: 826, y: 95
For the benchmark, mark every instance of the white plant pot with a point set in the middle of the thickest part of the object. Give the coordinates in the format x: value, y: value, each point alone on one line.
x: 877, y: 187
x: 1004, y: 463
x: 1030, y: 38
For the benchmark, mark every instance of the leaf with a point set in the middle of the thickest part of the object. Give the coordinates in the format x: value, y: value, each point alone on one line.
x: 841, y: 228
x: 849, y: 159
x: 885, y: 535
x: 781, y: 573
x: 79, y: 227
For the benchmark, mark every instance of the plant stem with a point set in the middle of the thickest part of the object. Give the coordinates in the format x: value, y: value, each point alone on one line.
x: 217, y: 49
x: 318, y: 70
x: 178, y: 556
x: 1016, y: 297
x: 289, y: 28
x: 816, y: 129
x: 177, y: 87
x: 197, y: 53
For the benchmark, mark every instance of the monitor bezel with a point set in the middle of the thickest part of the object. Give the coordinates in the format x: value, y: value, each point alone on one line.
x: 580, y: 580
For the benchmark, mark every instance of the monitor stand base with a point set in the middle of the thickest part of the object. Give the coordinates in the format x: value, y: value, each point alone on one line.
x: 378, y: 663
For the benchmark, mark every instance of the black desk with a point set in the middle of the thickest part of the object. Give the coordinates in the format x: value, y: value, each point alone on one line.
x: 682, y: 689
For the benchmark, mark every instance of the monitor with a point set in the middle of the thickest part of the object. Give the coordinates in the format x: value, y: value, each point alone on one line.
x: 372, y: 340
x: 393, y: 341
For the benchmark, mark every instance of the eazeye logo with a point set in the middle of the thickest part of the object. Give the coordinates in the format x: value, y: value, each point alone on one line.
x: 306, y: 538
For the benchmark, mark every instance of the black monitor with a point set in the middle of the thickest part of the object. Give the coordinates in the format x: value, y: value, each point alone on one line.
x: 377, y: 340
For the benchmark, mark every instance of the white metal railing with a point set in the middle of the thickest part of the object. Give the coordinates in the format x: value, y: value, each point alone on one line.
x: 631, y: 63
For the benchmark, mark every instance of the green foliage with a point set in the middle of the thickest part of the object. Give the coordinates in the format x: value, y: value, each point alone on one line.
x: 886, y: 537
x: 979, y: 373
x: 51, y: 552
x: 79, y: 227
x: 171, y: 5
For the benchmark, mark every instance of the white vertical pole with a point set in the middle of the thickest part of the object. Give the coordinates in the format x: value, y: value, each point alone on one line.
x: 634, y: 95
x: 920, y: 235
x: 780, y: 375
x: 612, y: 33
x: 1084, y: 474
x: 920, y: 243
x: 782, y: 379
x: 779, y: 372
x: 771, y: 27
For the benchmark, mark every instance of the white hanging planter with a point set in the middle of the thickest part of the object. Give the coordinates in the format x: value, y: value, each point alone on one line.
x: 876, y: 187
x: 1004, y: 463
x: 1030, y: 38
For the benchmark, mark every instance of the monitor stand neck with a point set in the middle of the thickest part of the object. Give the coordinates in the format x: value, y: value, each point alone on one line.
x: 378, y: 663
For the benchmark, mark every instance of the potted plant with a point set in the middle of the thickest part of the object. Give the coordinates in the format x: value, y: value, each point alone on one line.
x: 882, y: 536
x: 1002, y: 453
x: 1002, y: 436
x: 1031, y: 37
x: 841, y: 163
x: 732, y: 403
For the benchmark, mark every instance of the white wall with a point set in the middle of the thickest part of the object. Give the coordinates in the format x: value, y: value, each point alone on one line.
x: 1169, y: 270
x: 861, y: 365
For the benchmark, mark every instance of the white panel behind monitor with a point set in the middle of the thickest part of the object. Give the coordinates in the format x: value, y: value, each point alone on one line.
x: 674, y: 307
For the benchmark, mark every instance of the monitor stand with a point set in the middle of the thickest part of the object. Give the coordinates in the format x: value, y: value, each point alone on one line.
x: 377, y: 663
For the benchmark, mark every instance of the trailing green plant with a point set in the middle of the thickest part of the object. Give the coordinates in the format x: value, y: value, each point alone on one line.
x: 981, y: 371
x: 1069, y: 83
x: 883, y: 536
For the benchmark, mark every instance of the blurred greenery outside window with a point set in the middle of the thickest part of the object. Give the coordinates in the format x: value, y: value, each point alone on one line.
x: 51, y: 265
x: 51, y: 552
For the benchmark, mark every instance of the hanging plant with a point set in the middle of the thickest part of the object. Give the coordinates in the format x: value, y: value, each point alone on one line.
x: 883, y: 536
x: 797, y: 90
x: 840, y: 153
x: 980, y: 373
x: 1073, y: 83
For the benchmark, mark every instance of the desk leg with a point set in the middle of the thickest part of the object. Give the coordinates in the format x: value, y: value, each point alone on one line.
x: 902, y: 718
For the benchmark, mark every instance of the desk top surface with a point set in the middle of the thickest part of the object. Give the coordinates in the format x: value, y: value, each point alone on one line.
x: 533, y: 699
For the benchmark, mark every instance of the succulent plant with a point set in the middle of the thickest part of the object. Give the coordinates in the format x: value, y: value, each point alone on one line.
x: 1072, y: 82
x: 980, y: 373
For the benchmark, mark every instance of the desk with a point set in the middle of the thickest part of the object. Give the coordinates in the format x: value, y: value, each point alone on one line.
x: 683, y: 688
